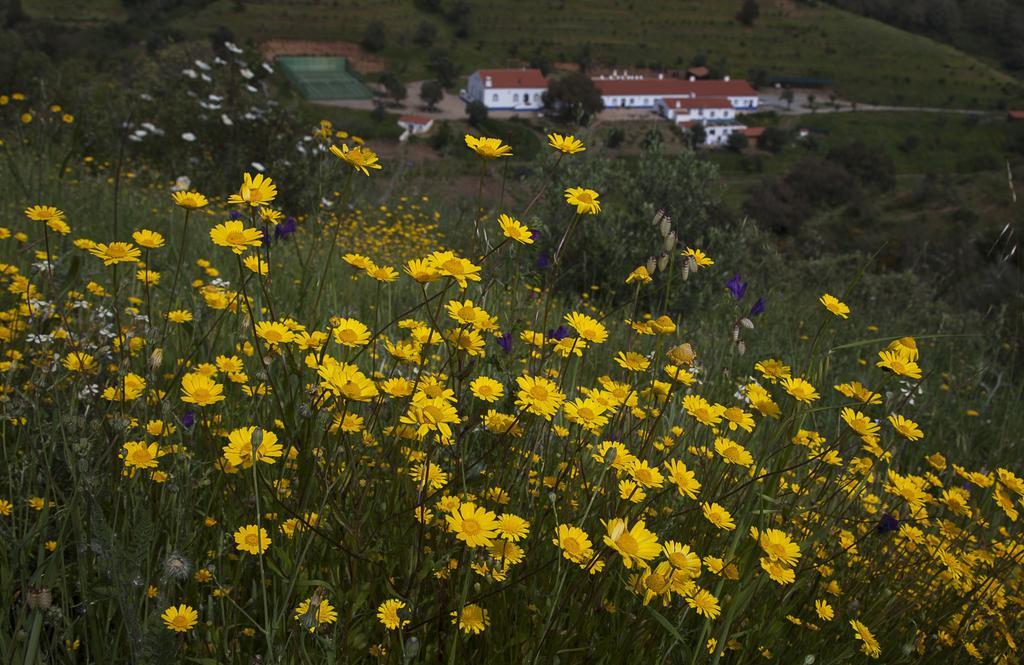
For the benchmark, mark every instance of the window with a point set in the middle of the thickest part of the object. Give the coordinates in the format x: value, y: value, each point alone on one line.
x: 494, y: 97
x: 515, y: 97
x: 526, y: 98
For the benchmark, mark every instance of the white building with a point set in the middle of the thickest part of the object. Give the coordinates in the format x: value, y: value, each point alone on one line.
x: 633, y: 91
x: 685, y: 109
x: 506, y: 89
x: 415, y: 124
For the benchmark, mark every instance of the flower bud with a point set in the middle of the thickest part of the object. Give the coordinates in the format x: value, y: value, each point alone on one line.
x: 652, y: 265
x: 658, y: 216
x: 741, y: 346
x: 670, y: 241
x: 665, y: 227
x: 39, y: 598
x: 663, y: 262
x: 747, y: 323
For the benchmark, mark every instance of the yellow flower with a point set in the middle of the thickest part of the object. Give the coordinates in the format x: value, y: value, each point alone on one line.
x: 41, y: 213
x: 639, y: 275
x: 869, y: 644
x: 515, y: 230
x: 447, y: 264
x: 588, y: 328
x: 636, y: 545
x: 345, y: 380
x: 824, y: 610
x: 487, y: 389
x: 180, y: 619
x: 245, y: 447
x: 256, y: 264
x: 77, y: 361
x: 116, y: 252
x: 539, y: 396
x: 148, y: 239
x: 704, y: 603
x: 834, y: 305
x: 899, y: 363
x: 189, y: 200
x: 906, y: 428
x: 235, y: 236
x: 800, y: 389
x: 718, y: 516
x: 391, y: 613
x: 360, y: 158
x: 569, y: 145
x: 313, y: 614
x: 732, y: 452
x: 431, y: 414
x: 632, y: 361
x: 473, y: 619
x: 475, y: 526
x: 488, y: 148
x: 138, y: 455
x: 255, y: 192
x: 200, y: 390
x: 685, y: 480
x: 584, y: 199
x: 274, y: 333
x: 700, y: 259
x: 574, y: 543
x: 252, y: 539
x: 350, y: 332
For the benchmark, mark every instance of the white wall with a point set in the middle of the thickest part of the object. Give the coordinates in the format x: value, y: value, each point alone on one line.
x: 511, y: 99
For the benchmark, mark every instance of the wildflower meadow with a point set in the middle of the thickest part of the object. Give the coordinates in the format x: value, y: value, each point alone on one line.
x: 366, y: 425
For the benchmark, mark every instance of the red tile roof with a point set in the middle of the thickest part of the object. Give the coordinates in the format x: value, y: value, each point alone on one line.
x: 699, y: 72
x: 753, y: 132
x: 644, y: 87
x: 415, y: 119
x: 513, y: 78
x: 674, y: 88
x: 1016, y: 115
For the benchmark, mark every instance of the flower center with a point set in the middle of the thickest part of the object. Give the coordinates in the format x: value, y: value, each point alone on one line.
x: 470, y: 527
x: 236, y: 238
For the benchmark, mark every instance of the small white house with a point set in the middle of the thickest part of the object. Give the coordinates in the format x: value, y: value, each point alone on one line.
x: 506, y: 89
x: 685, y: 109
x: 415, y: 124
x: 716, y: 132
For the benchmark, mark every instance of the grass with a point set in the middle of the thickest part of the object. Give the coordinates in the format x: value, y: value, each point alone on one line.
x: 131, y: 504
x: 867, y: 60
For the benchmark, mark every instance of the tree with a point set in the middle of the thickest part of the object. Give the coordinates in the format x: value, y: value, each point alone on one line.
x: 431, y: 93
x: 871, y: 165
x: 573, y: 98
x: 737, y: 141
x: 774, y: 139
x: 395, y: 89
x: 748, y: 12
x: 697, y: 135
x: 375, y: 37
x: 441, y: 66
x: 787, y: 96
x: 429, y: 6
x: 476, y: 112
x: 426, y: 33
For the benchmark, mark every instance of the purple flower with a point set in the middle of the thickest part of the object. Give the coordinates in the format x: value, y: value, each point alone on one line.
x: 561, y: 332
x: 235, y: 215
x: 188, y: 420
x: 737, y: 287
x: 888, y: 524
x: 285, y: 228
x: 543, y: 260
x: 758, y: 308
x: 505, y: 342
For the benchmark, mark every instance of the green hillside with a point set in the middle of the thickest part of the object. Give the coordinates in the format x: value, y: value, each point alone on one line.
x: 867, y: 60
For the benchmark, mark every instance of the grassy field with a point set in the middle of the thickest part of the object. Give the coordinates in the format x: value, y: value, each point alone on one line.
x: 867, y: 60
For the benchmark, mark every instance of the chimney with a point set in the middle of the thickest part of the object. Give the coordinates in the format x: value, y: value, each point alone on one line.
x: 725, y: 78
x: 488, y: 82
x: 661, y: 76
x: 615, y: 73
x: 692, y: 77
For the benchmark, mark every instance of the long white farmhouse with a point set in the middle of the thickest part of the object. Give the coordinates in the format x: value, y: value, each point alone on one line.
x: 506, y: 89
x: 634, y: 91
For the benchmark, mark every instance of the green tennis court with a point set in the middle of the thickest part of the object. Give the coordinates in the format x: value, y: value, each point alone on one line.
x: 321, y: 77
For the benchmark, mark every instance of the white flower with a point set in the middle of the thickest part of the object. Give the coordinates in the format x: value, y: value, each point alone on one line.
x: 251, y: 88
x: 189, y: 136
x: 225, y: 119
x: 191, y: 73
x: 246, y: 73
x: 231, y: 46
x: 181, y: 183
x: 268, y: 68
x: 206, y: 78
x: 259, y: 167
x: 202, y: 65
